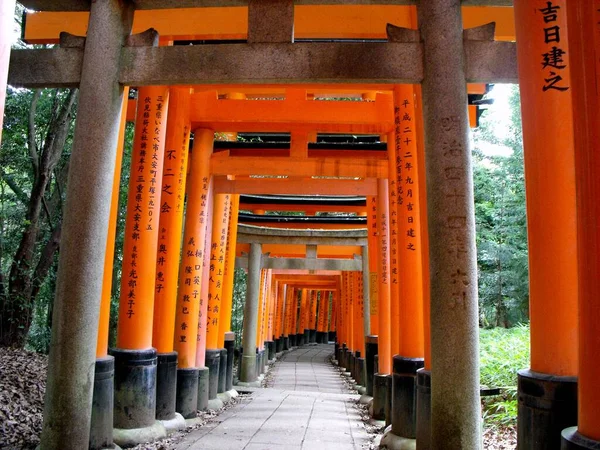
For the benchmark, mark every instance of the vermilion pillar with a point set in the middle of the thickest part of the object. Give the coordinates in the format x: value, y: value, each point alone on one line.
x: 584, y: 48
x: 134, y: 333
x: 546, y: 107
x: 167, y: 263
x: 189, y: 331
x: 382, y: 380
x: 216, y: 268
x: 373, y: 238
x: 107, y: 280
x: 409, y: 327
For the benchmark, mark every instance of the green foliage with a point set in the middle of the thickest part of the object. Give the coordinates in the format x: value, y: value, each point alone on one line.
x: 239, y: 301
x: 502, y: 353
x: 501, y: 223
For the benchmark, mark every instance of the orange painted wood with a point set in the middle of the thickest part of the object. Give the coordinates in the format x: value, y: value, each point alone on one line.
x: 384, y: 341
x: 410, y: 274
x: 136, y: 306
x: 357, y: 293
x: 107, y: 280
x: 373, y: 238
x: 291, y: 115
x: 171, y: 219
x: 424, y: 226
x: 297, y: 186
x: 216, y: 268
x: 190, y: 332
x: 229, y: 271
x: 261, y: 309
x: 311, y: 22
x: 331, y: 167
x: 584, y: 45
x: 551, y: 212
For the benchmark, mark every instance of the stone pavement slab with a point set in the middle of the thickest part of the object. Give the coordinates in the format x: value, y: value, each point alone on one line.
x: 308, y: 407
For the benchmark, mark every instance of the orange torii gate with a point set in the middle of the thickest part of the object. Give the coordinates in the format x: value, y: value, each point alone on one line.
x: 442, y: 59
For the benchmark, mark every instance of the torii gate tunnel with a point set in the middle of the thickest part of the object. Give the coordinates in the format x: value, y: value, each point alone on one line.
x: 397, y: 280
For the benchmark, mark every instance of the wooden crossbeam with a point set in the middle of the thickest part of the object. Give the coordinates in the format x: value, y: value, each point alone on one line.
x: 324, y: 264
x: 393, y: 63
x: 84, y: 5
x: 292, y: 114
x: 299, y: 167
x: 296, y: 186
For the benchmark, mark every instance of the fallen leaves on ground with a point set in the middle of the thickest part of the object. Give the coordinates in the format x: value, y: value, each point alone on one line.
x: 22, y: 388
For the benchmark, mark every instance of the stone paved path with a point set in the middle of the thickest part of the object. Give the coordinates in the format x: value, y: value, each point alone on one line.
x: 307, y: 408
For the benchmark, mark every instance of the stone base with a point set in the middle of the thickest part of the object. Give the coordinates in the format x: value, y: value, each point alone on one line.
x: 248, y: 383
x: 135, y: 390
x: 175, y: 424
x: 213, y: 362
x: 572, y: 440
x: 136, y: 436
x: 214, y: 404
x: 392, y: 442
x: 371, y: 349
x: 186, y: 402
x: 101, y: 430
x: 230, y: 347
x: 166, y: 385
x: 381, y: 396
x: 233, y: 393
x: 203, y: 381
x: 404, y: 396
x: 365, y: 399
x: 361, y: 390
x: 225, y: 397
x: 221, y: 386
x: 547, y: 405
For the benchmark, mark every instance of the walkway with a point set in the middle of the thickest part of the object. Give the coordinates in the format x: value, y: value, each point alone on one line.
x: 307, y: 408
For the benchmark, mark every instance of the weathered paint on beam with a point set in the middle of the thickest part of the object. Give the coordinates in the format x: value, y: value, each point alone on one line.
x: 84, y: 5
x: 331, y: 167
x: 294, y: 186
x: 387, y: 63
x: 325, y: 264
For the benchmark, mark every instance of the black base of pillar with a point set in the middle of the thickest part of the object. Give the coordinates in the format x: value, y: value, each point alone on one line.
x: 355, y: 370
x: 313, y: 336
x: 221, y: 387
x: 343, y: 354
x: 370, y: 352
x: 166, y: 385
x: 352, y: 365
x: 404, y: 393
x: 360, y: 371
x: 229, y: 346
x: 203, y: 384
x: 547, y: 405
x: 187, y: 392
x: 572, y: 440
x: 319, y: 337
x: 332, y: 336
x: 381, y: 394
x: 262, y: 357
x: 286, y: 342
x: 300, y: 339
x: 101, y: 430
x: 135, y: 388
x: 213, y: 362
x: 348, y: 360
x: 270, y: 349
x: 278, y: 345
x: 423, y: 408
x: 306, y: 338
x: 336, y: 349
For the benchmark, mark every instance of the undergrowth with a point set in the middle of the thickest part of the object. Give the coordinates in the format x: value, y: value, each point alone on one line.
x: 502, y: 353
